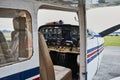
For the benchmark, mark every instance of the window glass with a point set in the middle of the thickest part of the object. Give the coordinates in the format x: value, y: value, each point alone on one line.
x: 15, y: 36
x: 89, y: 34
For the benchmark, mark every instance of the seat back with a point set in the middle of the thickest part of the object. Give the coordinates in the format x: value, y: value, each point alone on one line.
x: 19, y: 37
x: 46, y: 65
x: 2, y: 40
x: 5, y: 55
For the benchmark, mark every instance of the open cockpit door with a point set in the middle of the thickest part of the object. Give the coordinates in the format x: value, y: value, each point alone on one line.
x: 77, y: 6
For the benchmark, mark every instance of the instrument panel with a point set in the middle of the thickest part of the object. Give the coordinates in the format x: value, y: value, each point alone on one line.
x: 61, y: 38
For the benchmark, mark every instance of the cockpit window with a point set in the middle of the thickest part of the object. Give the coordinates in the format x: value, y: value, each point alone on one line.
x: 15, y: 36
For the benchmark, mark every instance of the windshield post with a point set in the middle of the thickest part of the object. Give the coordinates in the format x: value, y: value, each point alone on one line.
x: 82, y: 27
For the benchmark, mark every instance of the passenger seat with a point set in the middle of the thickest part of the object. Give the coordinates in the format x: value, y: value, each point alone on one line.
x: 47, y: 70
x: 5, y: 55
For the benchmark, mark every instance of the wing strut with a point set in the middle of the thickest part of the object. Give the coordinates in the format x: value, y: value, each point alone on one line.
x: 109, y: 30
x: 82, y: 27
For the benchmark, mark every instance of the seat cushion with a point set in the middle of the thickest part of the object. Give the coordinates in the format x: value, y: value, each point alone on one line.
x: 62, y: 73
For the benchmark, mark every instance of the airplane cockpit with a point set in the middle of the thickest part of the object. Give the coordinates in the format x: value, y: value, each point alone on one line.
x: 60, y: 38
x: 63, y: 45
x: 62, y: 50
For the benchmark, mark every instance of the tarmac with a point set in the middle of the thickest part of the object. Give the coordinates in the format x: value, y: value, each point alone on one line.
x: 110, y: 64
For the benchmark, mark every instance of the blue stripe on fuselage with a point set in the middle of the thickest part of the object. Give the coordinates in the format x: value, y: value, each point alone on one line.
x: 96, y: 54
x: 22, y: 75
x: 92, y: 49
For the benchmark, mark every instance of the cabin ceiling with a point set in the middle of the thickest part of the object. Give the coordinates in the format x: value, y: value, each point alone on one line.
x: 11, y: 13
x: 8, y: 13
x: 70, y: 3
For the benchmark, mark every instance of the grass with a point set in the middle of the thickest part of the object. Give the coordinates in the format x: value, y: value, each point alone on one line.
x: 112, y: 41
